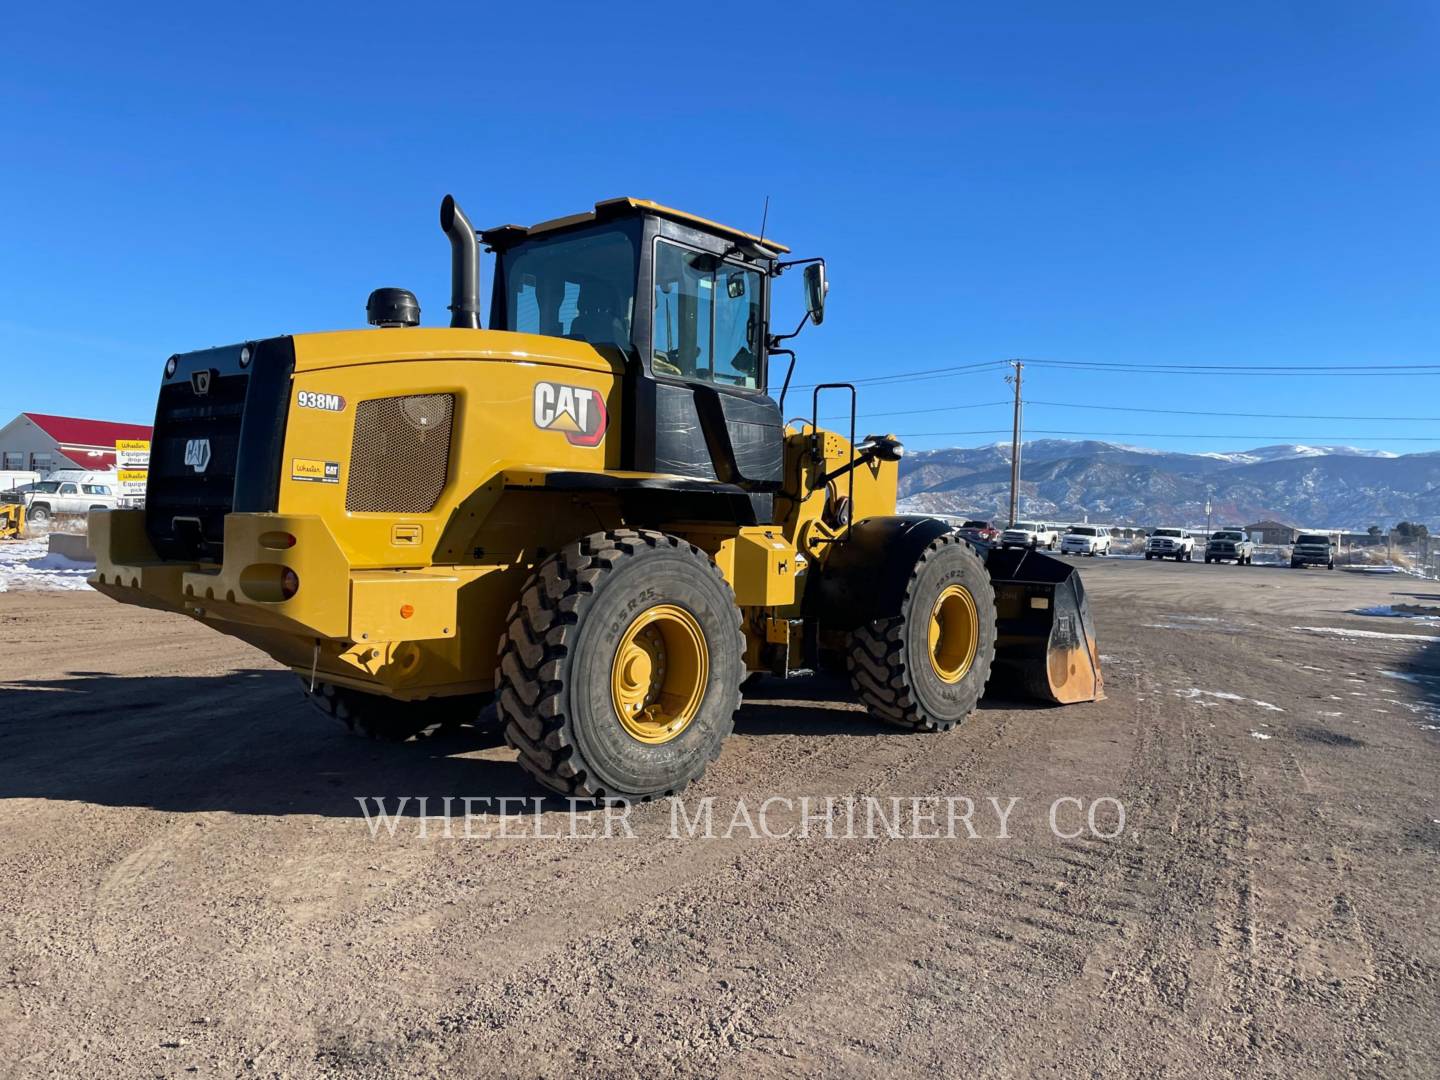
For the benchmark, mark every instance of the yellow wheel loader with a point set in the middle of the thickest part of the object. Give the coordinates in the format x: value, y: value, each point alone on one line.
x: 12, y: 520
x: 593, y: 513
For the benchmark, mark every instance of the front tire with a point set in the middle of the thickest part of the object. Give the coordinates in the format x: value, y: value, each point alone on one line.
x: 619, y: 673
x: 925, y: 668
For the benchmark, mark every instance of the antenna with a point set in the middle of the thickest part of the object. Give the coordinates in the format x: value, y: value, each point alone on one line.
x: 764, y: 217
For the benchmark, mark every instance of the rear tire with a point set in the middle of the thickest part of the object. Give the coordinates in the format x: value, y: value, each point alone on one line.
x: 925, y: 669
x: 628, y: 618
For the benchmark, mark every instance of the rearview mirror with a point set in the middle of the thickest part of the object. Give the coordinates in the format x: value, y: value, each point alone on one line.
x: 815, y: 289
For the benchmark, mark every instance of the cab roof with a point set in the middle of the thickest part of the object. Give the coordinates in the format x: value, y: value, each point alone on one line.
x: 504, y: 235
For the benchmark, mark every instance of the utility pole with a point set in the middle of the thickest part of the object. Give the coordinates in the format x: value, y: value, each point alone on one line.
x: 1015, y: 442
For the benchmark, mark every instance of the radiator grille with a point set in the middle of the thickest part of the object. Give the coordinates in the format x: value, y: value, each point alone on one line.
x: 401, y: 454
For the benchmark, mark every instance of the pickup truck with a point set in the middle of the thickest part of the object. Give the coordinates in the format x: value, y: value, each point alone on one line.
x: 1176, y: 543
x: 1085, y: 540
x: 1230, y: 544
x: 1312, y: 549
x: 47, y: 498
x: 981, y: 531
x: 1030, y: 534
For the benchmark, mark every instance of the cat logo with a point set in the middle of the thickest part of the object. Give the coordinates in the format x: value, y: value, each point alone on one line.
x: 578, y: 411
x: 197, y: 454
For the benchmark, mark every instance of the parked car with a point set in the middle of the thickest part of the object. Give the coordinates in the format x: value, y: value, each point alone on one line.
x: 1312, y: 549
x: 983, y: 531
x: 71, y: 495
x: 1175, y: 543
x: 1031, y: 534
x: 1230, y: 544
x: 1085, y: 540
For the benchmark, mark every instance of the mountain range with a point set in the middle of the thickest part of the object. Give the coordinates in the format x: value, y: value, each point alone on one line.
x: 1334, y: 487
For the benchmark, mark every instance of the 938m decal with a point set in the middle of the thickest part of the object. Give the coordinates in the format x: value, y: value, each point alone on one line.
x: 309, y: 399
x: 577, y: 411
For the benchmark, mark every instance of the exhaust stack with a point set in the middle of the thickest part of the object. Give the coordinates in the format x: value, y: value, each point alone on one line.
x: 464, y: 265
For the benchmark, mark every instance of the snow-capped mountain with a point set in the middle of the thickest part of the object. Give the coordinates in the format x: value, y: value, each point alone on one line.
x: 1334, y: 486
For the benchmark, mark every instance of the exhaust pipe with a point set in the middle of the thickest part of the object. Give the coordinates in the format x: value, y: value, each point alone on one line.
x: 464, y: 265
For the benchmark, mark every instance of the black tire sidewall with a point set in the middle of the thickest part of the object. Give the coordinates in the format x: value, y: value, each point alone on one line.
x: 948, y: 702
x: 667, y: 575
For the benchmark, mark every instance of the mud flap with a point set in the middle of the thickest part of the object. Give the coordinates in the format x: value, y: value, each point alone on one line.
x: 1046, y: 647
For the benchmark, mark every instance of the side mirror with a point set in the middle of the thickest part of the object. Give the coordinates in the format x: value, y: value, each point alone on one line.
x: 815, y: 289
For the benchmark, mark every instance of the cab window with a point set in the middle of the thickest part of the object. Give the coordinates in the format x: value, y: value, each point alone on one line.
x: 574, y: 285
x: 67, y: 489
x: 707, y: 318
x: 95, y: 489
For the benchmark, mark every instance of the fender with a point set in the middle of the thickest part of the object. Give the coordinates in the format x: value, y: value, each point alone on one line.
x: 864, y: 577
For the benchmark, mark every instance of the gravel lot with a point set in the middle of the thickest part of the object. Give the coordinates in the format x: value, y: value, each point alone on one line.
x: 187, y: 884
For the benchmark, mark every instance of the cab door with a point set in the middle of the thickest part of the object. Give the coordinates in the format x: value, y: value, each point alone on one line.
x: 714, y: 420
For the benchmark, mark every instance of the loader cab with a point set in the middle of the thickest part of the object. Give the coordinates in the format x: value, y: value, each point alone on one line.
x: 684, y: 303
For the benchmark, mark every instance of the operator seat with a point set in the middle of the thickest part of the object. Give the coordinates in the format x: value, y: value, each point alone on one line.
x: 598, y: 319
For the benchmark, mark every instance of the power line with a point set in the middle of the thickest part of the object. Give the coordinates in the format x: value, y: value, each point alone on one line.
x: 1137, y: 368
x: 917, y: 412
x: 1203, y: 412
x: 1299, y: 370
x: 913, y: 376
x: 1179, y: 435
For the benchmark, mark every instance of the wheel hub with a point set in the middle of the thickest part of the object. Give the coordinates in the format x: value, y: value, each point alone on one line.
x: 658, y: 676
x: 954, y: 633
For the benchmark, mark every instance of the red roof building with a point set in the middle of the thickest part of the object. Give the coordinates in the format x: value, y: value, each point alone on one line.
x: 39, y: 442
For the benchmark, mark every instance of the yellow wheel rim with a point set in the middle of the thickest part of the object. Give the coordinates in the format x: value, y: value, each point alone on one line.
x: 659, y: 674
x: 954, y: 633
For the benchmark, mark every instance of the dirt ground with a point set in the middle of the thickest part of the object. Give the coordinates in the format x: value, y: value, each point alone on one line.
x: 187, y: 885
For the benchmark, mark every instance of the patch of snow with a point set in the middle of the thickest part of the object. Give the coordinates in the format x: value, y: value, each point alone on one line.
x: 1388, y: 611
x: 28, y: 566
x: 1410, y: 677
x: 1195, y: 692
x: 1344, y: 631
x: 1260, y: 735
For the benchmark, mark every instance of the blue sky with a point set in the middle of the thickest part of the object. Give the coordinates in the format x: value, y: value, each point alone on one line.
x: 1151, y: 184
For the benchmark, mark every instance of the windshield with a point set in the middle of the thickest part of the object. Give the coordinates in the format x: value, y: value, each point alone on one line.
x: 1227, y: 536
x: 578, y: 285
x: 1312, y: 538
x: 1027, y: 526
x: 1083, y: 530
x: 1168, y: 532
x: 47, y: 487
x: 976, y: 525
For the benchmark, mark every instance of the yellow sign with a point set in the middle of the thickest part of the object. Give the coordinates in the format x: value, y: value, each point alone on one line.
x: 132, y: 481
x: 132, y: 453
x: 314, y: 471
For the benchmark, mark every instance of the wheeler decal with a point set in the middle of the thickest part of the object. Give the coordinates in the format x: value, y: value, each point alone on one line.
x: 315, y: 471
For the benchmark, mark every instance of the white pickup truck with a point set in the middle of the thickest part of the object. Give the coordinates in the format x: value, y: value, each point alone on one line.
x: 1085, y: 540
x: 1174, y: 543
x: 68, y: 494
x: 1030, y: 534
